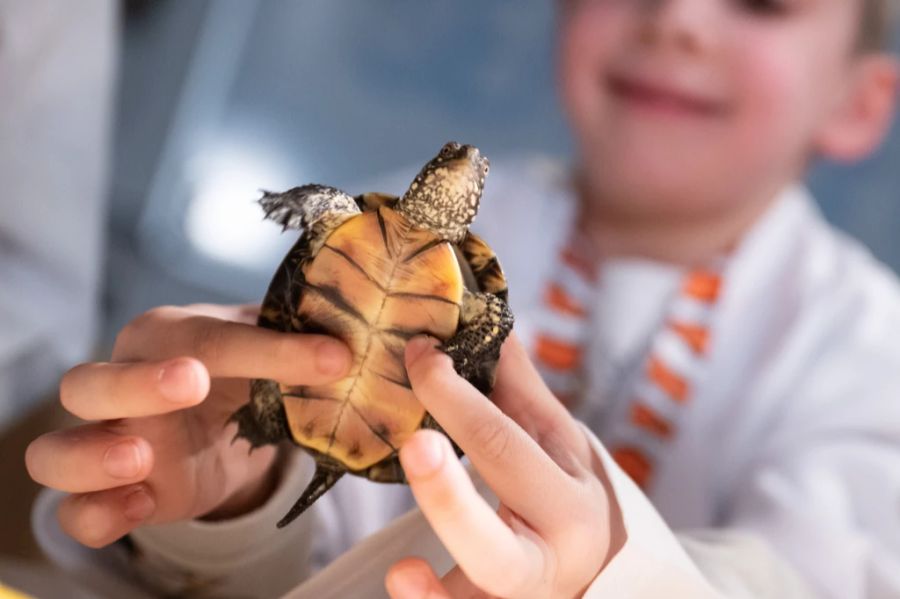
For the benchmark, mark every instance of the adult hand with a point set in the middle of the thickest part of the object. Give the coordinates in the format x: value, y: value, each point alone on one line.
x: 556, y: 525
x: 158, y: 449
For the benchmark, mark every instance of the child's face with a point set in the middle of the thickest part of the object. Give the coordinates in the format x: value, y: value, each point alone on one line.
x: 692, y: 107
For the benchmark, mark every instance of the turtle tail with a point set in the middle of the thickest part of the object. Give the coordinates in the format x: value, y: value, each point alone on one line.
x: 322, y: 480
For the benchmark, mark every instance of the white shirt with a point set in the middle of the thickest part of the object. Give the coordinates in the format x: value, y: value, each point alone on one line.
x: 782, y: 481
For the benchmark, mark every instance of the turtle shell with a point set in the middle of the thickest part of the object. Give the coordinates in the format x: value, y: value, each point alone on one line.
x: 375, y: 283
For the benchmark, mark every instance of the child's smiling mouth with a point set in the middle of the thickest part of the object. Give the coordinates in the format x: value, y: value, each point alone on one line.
x: 662, y: 98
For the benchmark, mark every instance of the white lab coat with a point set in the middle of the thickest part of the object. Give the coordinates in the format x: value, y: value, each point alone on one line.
x: 784, y: 480
x: 57, y: 68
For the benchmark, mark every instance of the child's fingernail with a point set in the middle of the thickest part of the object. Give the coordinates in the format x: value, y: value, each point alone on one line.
x: 123, y: 460
x: 424, y: 456
x: 332, y: 358
x: 178, y: 381
x: 139, y: 505
x: 418, y: 346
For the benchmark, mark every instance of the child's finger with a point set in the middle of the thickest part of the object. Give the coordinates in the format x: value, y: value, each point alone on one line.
x: 98, y: 519
x: 233, y: 349
x: 519, y: 389
x: 105, y: 391
x: 88, y: 458
x: 413, y: 578
x: 458, y: 585
x: 523, y: 396
x: 463, y: 520
x: 519, y: 471
x: 246, y: 313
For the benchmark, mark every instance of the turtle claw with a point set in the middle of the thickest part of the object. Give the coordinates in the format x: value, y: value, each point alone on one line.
x: 249, y: 428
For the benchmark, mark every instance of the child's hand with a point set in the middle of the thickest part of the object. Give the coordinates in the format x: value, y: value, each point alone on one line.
x: 159, y: 450
x: 555, y: 527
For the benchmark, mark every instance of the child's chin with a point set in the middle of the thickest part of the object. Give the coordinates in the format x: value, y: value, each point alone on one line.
x: 645, y: 193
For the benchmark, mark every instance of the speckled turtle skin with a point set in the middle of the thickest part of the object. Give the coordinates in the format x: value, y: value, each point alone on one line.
x: 374, y: 270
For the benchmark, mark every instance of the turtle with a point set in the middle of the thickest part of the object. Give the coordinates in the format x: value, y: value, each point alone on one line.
x: 375, y: 270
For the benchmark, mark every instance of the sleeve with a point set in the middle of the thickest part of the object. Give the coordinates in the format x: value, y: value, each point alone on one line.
x: 240, y: 557
x: 651, y: 562
x: 245, y: 556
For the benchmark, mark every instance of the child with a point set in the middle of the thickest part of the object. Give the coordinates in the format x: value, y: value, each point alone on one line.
x: 683, y: 296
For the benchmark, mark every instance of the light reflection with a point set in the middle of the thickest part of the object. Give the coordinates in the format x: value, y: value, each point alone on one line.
x: 223, y: 219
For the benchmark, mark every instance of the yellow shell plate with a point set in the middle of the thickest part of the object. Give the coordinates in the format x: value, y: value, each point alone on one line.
x: 375, y: 282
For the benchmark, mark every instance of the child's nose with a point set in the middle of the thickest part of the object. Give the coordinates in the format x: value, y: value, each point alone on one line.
x: 687, y: 26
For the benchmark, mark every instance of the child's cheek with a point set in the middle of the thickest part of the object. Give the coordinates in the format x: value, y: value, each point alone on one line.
x: 588, y: 35
x: 772, y: 106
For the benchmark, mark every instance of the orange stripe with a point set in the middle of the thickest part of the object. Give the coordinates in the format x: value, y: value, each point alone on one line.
x: 669, y: 381
x: 558, y: 299
x: 703, y: 285
x: 696, y: 336
x: 646, y: 418
x: 635, y: 463
x: 557, y: 354
x: 583, y: 267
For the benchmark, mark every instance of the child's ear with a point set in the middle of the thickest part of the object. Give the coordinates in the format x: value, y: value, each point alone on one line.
x: 862, y: 119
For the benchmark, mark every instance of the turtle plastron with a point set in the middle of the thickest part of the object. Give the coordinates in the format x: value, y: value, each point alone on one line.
x: 375, y: 270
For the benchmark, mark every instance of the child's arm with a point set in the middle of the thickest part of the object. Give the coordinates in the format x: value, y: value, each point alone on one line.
x: 569, y: 521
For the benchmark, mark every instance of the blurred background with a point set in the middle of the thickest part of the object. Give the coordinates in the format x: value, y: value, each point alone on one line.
x: 178, y: 111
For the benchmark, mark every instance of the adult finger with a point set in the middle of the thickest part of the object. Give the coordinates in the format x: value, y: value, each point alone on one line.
x: 413, y: 578
x: 98, y: 519
x: 233, y: 349
x: 102, y: 391
x: 88, y: 458
x: 519, y: 471
x: 464, y: 521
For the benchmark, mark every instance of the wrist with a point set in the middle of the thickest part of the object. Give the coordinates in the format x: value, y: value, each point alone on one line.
x: 266, y: 464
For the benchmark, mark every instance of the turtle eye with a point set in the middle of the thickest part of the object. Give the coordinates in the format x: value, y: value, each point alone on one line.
x: 449, y: 148
x: 485, y: 168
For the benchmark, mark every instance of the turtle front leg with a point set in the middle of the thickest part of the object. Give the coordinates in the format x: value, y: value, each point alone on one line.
x: 308, y: 205
x: 485, y: 323
x: 316, y: 209
x: 262, y: 420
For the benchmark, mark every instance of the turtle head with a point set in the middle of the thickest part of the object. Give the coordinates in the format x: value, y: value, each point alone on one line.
x: 445, y: 194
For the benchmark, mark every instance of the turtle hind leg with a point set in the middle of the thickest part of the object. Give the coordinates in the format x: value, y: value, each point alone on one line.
x: 322, y: 480
x: 387, y: 470
x: 485, y: 323
x: 262, y: 420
